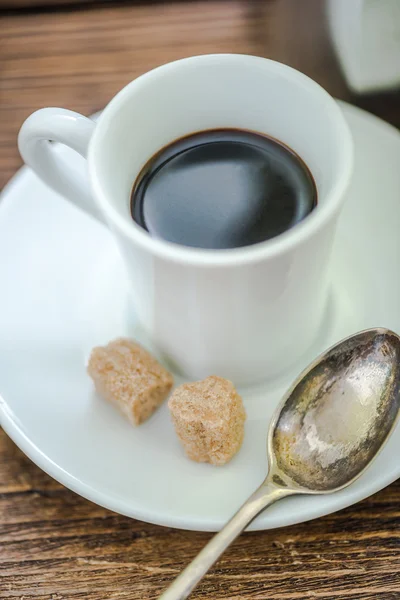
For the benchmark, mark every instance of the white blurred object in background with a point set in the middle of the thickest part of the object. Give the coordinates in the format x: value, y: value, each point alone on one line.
x: 366, y: 36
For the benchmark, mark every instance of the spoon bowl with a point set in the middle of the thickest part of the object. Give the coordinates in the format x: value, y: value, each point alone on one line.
x: 327, y: 430
x: 336, y: 417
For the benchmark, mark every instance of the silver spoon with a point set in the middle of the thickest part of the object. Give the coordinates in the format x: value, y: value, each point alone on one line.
x: 330, y: 426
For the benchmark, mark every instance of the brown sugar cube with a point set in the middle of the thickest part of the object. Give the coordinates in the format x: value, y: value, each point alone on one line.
x: 129, y: 377
x: 209, y: 419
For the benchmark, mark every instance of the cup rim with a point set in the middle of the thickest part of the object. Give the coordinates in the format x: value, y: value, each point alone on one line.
x: 231, y: 256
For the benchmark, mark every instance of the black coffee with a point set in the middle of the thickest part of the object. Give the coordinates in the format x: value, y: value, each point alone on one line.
x: 223, y: 188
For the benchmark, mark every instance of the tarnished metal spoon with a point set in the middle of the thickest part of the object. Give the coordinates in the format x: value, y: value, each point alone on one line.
x: 329, y: 427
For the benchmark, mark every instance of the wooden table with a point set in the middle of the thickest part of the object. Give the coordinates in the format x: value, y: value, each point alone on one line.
x: 53, y: 544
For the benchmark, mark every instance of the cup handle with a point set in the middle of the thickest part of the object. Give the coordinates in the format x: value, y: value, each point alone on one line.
x: 69, y: 128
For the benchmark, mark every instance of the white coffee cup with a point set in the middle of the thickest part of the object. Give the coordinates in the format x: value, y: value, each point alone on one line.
x: 245, y: 313
x: 366, y: 37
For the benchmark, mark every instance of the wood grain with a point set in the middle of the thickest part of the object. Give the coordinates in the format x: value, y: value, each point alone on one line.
x: 53, y: 544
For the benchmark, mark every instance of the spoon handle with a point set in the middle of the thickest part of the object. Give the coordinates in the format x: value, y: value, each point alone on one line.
x: 264, y: 496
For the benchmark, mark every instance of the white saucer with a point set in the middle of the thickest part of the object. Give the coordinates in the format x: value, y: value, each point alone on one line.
x: 54, y: 306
